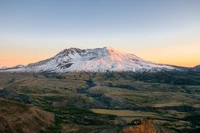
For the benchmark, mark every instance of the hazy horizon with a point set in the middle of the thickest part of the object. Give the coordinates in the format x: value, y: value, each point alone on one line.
x: 164, y: 32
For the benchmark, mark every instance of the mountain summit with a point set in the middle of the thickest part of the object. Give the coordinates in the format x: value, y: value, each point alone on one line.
x: 92, y: 60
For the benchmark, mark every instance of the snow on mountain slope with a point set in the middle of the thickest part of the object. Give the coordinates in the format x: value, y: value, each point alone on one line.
x: 196, y: 68
x: 94, y: 60
x: 4, y: 67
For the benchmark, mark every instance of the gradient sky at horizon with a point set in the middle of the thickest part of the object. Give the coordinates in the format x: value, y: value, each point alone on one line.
x: 160, y: 31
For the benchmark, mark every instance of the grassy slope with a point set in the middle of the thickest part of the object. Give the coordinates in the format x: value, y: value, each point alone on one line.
x: 69, y: 119
x: 174, y: 96
x: 17, y: 117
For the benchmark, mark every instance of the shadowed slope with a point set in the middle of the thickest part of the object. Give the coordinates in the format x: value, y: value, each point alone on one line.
x: 16, y: 117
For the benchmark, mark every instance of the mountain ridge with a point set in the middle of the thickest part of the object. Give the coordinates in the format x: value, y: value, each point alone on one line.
x: 92, y: 60
x: 196, y: 68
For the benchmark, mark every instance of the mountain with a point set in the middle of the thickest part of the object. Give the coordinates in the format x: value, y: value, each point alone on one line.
x: 4, y: 67
x: 19, y: 66
x: 196, y: 68
x: 92, y: 60
x: 15, y: 67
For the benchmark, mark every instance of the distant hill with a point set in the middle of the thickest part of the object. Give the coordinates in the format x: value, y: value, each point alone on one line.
x: 20, y: 118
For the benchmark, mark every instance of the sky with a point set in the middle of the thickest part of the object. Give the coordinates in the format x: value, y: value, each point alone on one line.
x: 162, y: 31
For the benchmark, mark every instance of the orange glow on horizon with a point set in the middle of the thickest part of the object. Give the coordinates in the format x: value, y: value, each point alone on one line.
x: 154, y: 56
x: 184, y: 63
x: 180, y: 54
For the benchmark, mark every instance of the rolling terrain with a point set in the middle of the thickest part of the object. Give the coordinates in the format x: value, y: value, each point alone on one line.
x: 169, y: 98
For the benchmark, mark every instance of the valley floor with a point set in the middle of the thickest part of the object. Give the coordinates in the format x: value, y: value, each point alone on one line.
x: 108, y: 102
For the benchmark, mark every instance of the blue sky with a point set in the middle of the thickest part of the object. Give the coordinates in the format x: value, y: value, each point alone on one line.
x: 130, y: 25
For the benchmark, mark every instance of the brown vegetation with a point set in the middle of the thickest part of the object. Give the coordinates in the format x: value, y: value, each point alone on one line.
x: 16, y: 117
x: 145, y: 127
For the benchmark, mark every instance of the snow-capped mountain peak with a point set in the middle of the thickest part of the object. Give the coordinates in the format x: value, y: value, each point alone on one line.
x: 94, y: 60
x: 3, y: 67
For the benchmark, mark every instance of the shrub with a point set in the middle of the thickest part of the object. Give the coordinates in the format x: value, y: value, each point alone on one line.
x: 145, y: 127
